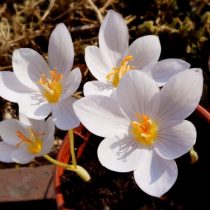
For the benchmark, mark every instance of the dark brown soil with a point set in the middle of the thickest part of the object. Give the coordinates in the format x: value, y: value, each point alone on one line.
x: 109, y: 190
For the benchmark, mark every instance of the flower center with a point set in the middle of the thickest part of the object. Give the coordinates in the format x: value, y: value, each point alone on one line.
x: 52, y: 87
x: 33, y: 141
x: 116, y: 74
x: 144, y: 130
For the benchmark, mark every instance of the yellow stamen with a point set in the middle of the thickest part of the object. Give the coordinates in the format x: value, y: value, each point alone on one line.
x: 33, y: 142
x: 144, y: 130
x: 52, y: 87
x: 116, y: 74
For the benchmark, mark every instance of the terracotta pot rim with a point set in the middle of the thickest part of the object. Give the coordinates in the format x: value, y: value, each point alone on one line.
x: 64, y: 154
x: 203, y: 113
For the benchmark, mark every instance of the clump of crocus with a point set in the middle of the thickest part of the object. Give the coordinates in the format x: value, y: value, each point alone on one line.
x: 39, y: 88
x: 25, y: 139
x: 145, y: 127
x: 114, y: 57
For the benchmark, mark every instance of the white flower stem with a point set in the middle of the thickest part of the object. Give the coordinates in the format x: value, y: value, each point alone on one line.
x: 71, y: 141
x: 84, y: 175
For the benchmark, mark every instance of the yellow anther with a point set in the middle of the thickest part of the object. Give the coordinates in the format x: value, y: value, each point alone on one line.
x: 144, y: 130
x: 52, y: 87
x: 116, y: 74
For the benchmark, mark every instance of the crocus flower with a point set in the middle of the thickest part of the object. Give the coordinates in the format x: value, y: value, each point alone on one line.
x: 114, y: 57
x: 40, y: 89
x: 25, y: 139
x: 144, y: 127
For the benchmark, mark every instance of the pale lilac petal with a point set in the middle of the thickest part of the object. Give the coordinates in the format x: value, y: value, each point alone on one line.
x: 180, y: 96
x: 98, y: 64
x: 145, y: 50
x: 21, y: 156
x: 97, y: 88
x: 10, y: 87
x: 167, y: 68
x: 25, y: 120
x: 28, y: 66
x: 113, y: 37
x: 49, y: 137
x: 135, y: 92
x: 38, y: 125
x: 155, y: 175
x: 60, y: 49
x: 71, y: 83
x: 101, y: 115
x: 50, y: 128
x: 8, y: 129
x: 5, y: 152
x: 119, y: 153
x: 175, y: 141
x: 33, y: 106
x: 63, y: 114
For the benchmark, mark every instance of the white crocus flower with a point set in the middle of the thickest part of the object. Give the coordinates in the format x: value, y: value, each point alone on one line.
x: 25, y: 139
x: 40, y: 89
x: 144, y: 128
x: 114, y: 57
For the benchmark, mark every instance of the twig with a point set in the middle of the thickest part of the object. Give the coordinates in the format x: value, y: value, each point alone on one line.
x: 47, y: 12
x: 83, y: 28
x: 5, y: 67
x: 108, y: 2
x: 97, y: 11
x: 5, y: 28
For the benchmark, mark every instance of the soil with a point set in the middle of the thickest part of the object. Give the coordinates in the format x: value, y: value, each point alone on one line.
x: 109, y: 190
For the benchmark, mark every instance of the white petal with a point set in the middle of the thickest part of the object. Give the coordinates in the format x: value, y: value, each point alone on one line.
x: 113, y: 37
x: 71, y: 82
x: 47, y: 146
x: 49, y: 137
x: 167, y: 68
x: 24, y: 119
x: 101, y: 115
x: 32, y: 107
x: 98, y: 64
x: 175, y: 141
x: 135, y: 92
x: 156, y: 175
x: 8, y: 130
x: 63, y: 114
x: 50, y: 127
x: 145, y: 50
x: 60, y: 49
x: 28, y: 66
x: 180, y: 96
x: 5, y: 152
x: 22, y: 156
x: 36, y: 124
x: 97, y: 88
x: 10, y: 87
x: 119, y: 153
